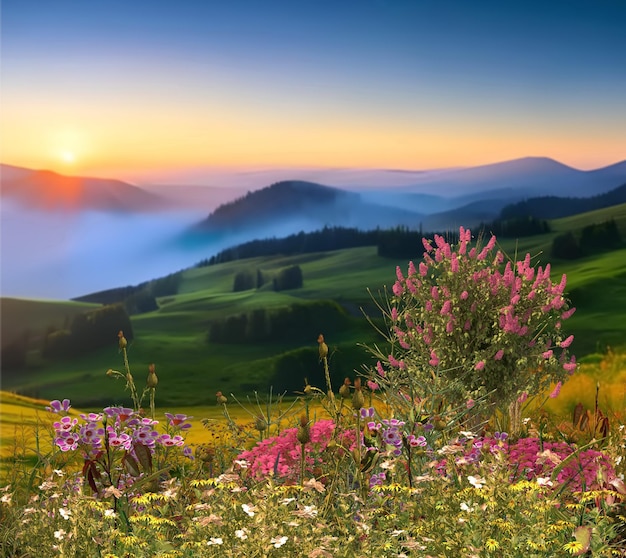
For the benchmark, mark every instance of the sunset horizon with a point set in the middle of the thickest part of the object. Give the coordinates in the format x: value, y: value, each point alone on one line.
x: 111, y: 89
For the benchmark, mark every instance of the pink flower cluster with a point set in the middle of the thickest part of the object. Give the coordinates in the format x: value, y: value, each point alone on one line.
x: 529, y: 458
x: 281, y: 454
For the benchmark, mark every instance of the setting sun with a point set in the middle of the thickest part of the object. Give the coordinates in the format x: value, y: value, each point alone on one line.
x: 68, y: 157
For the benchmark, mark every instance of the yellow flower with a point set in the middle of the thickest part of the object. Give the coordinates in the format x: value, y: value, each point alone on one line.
x: 573, y: 547
x: 492, y: 544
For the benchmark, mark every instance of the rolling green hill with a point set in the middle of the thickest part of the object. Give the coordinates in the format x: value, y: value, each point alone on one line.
x: 191, y: 369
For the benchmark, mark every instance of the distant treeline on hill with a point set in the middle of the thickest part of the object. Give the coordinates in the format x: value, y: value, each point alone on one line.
x: 553, y: 207
x: 400, y: 242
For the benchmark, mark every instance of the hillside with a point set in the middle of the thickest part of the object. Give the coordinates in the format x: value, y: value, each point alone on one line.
x: 34, y: 317
x: 553, y: 207
x: 309, y: 206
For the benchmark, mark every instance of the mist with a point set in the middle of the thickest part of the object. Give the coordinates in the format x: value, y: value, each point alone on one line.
x: 61, y: 255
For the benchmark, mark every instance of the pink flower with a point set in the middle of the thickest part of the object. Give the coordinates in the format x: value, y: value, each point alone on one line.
x: 454, y: 263
x: 394, y: 362
x: 445, y: 309
x: 372, y: 385
x: 397, y: 288
x: 568, y: 314
x: 434, y: 292
x: 394, y: 314
x: 567, y: 342
x: 547, y: 354
x: 423, y: 269
x: 479, y: 365
x: 399, y: 273
x: 434, y: 359
x: 570, y: 366
x: 499, y: 355
x: 380, y: 369
x: 556, y: 390
x: 522, y: 397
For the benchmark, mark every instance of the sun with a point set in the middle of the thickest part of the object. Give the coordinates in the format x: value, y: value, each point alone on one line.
x: 68, y: 157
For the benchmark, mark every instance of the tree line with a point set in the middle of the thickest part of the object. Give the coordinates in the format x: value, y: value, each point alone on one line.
x: 597, y: 237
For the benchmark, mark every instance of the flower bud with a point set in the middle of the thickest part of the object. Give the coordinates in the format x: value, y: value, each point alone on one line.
x: 221, y: 399
x: 344, y: 390
x: 323, y: 347
x: 304, y: 432
x: 122, y: 340
x: 152, y: 379
x: 260, y: 424
x: 358, y: 400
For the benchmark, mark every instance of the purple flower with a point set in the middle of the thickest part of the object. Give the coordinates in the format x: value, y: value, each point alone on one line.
x: 377, y: 479
x: 179, y: 421
x: 121, y: 440
x: 415, y: 442
x: 91, y: 433
x: 145, y: 435
x: 392, y: 437
x: 121, y: 413
x: 367, y: 413
x: 65, y: 424
x: 167, y: 440
x: 501, y: 436
x: 91, y: 417
x: 57, y: 406
x: 66, y: 441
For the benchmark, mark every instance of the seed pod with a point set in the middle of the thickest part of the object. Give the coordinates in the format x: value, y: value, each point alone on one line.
x: 344, y: 390
x: 323, y: 347
x: 152, y: 379
x: 260, y: 424
x: 358, y: 400
x: 304, y: 432
x: 122, y: 340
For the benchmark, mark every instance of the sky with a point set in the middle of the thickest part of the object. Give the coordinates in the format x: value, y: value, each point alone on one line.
x: 148, y: 90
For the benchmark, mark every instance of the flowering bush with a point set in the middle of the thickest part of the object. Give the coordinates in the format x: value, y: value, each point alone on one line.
x: 490, y: 328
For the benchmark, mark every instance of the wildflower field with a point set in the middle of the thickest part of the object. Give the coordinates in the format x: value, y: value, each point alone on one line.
x: 474, y: 433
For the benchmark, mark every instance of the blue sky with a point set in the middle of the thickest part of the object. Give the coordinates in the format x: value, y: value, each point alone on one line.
x: 131, y: 87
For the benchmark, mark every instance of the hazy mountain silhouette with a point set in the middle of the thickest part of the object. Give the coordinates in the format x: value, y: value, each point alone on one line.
x: 308, y: 205
x: 527, y: 177
x: 47, y: 190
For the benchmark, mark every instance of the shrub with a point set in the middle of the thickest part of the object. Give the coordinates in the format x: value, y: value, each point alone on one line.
x: 487, y: 328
